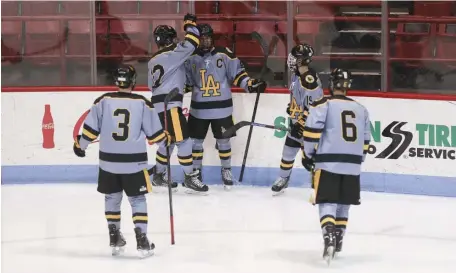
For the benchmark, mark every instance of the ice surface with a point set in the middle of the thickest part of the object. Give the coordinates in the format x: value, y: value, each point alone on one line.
x: 62, y: 229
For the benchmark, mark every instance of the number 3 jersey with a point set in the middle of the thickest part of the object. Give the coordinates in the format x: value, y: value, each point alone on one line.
x: 337, y: 135
x: 212, y: 75
x: 122, y: 121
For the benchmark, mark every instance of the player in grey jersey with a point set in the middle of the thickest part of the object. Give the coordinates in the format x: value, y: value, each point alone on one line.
x: 123, y: 121
x: 305, y: 88
x: 166, y: 72
x: 211, y: 71
x: 336, y: 140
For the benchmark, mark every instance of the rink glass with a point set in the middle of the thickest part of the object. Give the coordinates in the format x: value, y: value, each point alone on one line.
x: 77, y: 43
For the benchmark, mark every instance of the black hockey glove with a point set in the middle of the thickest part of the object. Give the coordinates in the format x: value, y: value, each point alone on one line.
x: 256, y: 86
x: 288, y: 110
x: 297, y: 129
x: 188, y: 88
x: 77, y: 149
x: 308, y: 163
x: 189, y: 21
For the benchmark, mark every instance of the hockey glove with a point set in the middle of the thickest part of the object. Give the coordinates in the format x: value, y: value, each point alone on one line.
x: 256, y: 86
x: 297, y: 129
x: 288, y: 110
x: 189, y: 21
x: 77, y: 149
x: 188, y: 88
x: 308, y: 163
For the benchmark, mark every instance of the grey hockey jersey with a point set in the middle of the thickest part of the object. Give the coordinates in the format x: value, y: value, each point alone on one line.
x: 167, y: 71
x: 337, y: 135
x: 211, y: 75
x: 122, y: 121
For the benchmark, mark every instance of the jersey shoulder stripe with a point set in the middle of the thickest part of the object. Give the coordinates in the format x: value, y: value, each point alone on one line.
x: 164, y: 50
x: 319, y: 102
x: 225, y: 51
x: 125, y: 95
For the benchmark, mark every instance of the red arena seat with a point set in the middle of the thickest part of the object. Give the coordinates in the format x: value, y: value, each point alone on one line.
x: 413, y: 40
x: 10, y: 8
x: 40, y: 7
x: 119, y: 7
x: 75, y: 7
x: 11, y: 41
x: 129, y: 37
x: 44, y: 41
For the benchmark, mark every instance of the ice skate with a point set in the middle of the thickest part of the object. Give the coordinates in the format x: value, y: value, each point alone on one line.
x: 200, y: 174
x: 160, y: 181
x: 228, y: 179
x: 330, y: 244
x: 116, y: 240
x: 144, y: 248
x: 339, y: 240
x: 193, y: 184
x: 280, y: 185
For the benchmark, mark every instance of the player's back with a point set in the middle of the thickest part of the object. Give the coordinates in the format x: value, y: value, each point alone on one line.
x: 341, y: 146
x: 123, y: 146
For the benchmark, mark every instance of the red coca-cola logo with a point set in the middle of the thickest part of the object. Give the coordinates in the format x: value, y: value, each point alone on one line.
x: 78, y: 125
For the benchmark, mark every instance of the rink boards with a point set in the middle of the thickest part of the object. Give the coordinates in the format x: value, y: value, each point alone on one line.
x: 413, y: 143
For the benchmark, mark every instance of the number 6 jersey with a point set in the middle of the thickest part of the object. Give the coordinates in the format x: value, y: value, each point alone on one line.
x: 337, y: 135
x: 123, y: 121
x: 211, y: 76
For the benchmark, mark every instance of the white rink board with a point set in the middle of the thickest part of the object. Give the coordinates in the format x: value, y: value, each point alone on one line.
x: 22, y: 115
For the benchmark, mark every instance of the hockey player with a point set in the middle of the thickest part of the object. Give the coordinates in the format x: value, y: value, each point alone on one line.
x: 166, y: 72
x: 305, y: 88
x: 210, y: 73
x: 121, y: 119
x: 336, y: 140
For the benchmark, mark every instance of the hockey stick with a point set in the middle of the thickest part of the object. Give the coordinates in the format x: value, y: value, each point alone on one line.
x: 168, y: 98
x: 232, y: 130
x: 265, y: 47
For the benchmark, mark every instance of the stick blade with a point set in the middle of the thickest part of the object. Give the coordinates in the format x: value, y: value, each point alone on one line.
x: 232, y: 130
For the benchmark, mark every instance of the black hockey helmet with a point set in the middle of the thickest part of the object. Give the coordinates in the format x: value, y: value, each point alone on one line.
x: 340, y: 79
x: 165, y: 35
x: 125, y: 76
x: 300, y: 55
x: 206, y: 38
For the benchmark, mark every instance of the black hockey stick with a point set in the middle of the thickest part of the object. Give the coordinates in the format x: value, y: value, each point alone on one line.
x: 232, y: 130
x: 168, y: 98
x: 264, y: 69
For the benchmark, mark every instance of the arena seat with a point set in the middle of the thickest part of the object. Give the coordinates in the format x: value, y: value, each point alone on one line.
x: 44, y: 42
x: 306, y: 31
x: 235, y: 7
x: 78, y: 45
x: 11, y: 40
x: 245, y: 46
x: 433, y: 8
x: 75, y: 7
x: 40, y: 7
x: 163, y: 7
x: 205, y: 7
x: 129, y: 37
x: 446, y: 41
x: 413, y: 40
x: 223, y: 32
x: 10, y: 8
x: 312, y: 8
x: 119, y: 7
x: 272, y: 7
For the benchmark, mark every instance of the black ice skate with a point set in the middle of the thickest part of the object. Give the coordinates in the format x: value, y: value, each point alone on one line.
x: 280, y: 185
x: 200, y: 174
x: 144, y: 248
x: 330, y: 244
x: 339, y: 240
x: 116, y: 240
x: 160, y: 180
x: 228, y: 179
x: 193, y: 183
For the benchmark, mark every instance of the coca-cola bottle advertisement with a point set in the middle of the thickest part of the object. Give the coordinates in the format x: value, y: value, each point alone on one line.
x: 48, y: 128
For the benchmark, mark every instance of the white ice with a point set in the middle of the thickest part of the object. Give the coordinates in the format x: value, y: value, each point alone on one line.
x: 61, y: 228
